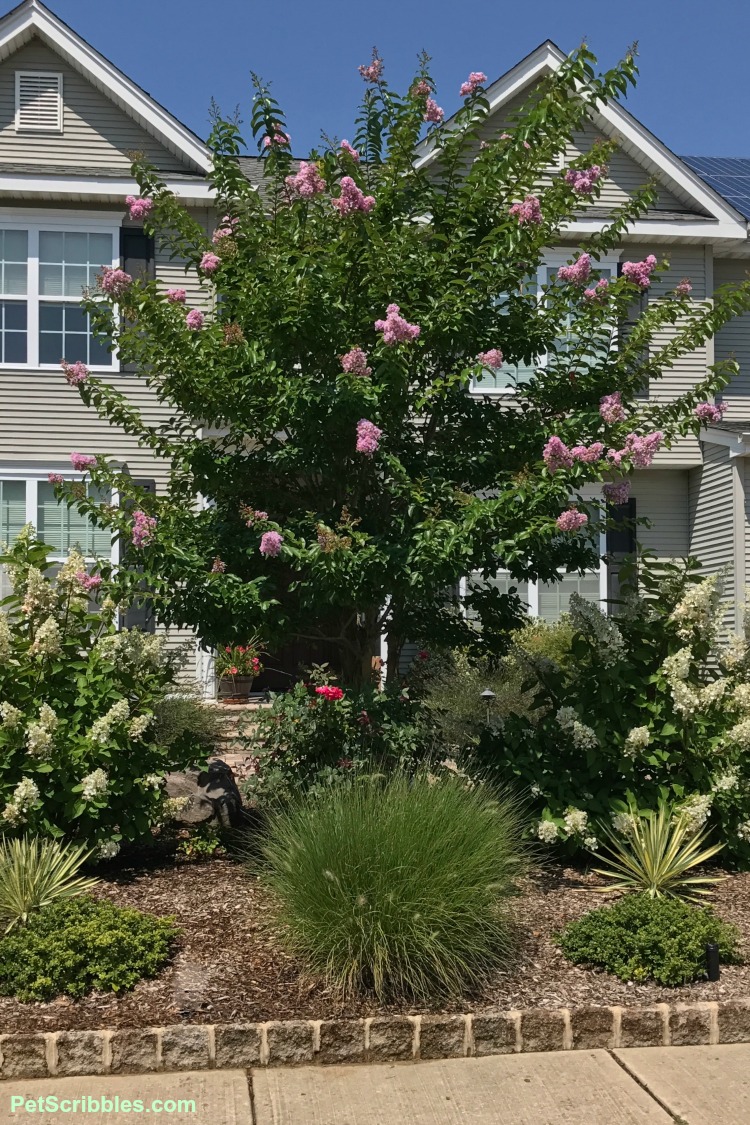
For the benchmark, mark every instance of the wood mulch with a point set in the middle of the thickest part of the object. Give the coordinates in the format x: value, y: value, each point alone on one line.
x: 228, y: 966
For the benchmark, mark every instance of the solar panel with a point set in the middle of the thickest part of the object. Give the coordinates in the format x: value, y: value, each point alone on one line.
x: 728, y: 175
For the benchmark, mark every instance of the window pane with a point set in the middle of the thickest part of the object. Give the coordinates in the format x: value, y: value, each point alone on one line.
x: 13, y: 260
x: 51, y: 318
x: 14, y: 277
x: 554, y: 597
x: 12, y: 509
x: 501, y: 581
x: 65, y: 333
x: 75, y: 247
x: 63, y: 528
x: 50, y: 280
x: 100, y: 250
x: 70, y: 260
x: 12, y: 331
x: 76, y: 280
x: 15, y: 347
x: 15, y: 245
x: 50, y: 246
x: 51, y: 347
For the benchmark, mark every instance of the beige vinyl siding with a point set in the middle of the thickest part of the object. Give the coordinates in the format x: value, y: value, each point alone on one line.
x: 661, y: 496
x: 733, y: 342
x: 711, y: 520
x: 96, y: 132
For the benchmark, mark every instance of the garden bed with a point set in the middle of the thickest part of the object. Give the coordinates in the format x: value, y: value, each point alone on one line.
x: 229, y: 967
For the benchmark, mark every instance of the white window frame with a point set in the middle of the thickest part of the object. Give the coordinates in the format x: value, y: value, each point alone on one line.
x: 552, y: 259
x: 31, y: 474
x: 34, y: 222
x: 57, y: 129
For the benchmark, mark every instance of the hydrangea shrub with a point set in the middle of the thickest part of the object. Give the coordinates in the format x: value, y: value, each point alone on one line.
x: 653, y: 705
x: 80, y: 754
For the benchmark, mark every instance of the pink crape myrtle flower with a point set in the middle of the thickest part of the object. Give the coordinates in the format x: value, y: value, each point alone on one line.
x: 355, y: 362
x: 472, y: 83
x: 684, y: 288
x: 640, y: 451
x: 578, y: 273
x: 82, y: 461
x: 350, y: 151
x: 352, y: 198
x: 88, y: 581
x: 582, y: 180
x: 75, y: 373
x: 373, y: 71
x: 611, y: 408
x: 368, y: 437
x: 330, y: 693
x: 139, y: 207
x: 710, y: 412
x: 143, y: 528
x: 556, y: 455
x: 177, y: 296
x: 270, y: 543
x: 433, y: 112
x: 527, y: 212
x: 307, y: 182
x: 395, y: 328
x: 218, y: 566
x: 226, y: 230
x: 194, y: 320
x: 421, y: 89
x: 279, y: 139
x: 597, y: 292
x: 587, y: 453
x: 210, y: 262
x: 571, y: 520
x: 55, y: 478
x: 617, y: 493
x: 492, y: 358
x: 114, y: 282
x: 640, y: 272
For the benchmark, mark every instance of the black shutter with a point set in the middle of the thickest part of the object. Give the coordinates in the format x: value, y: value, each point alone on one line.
x: 621, y: 536
x: 141, y: 615
x: 137, y: 254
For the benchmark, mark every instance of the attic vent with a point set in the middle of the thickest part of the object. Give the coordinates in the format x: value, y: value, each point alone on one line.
x: 38, y: 102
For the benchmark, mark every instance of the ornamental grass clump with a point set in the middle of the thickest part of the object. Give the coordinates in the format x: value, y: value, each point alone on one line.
x: 399, y: 885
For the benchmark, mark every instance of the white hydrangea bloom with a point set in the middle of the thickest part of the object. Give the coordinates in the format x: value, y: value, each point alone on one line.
x: 735, y: 654
x: 583, y: 737
x: 47, y: 718
x: 686, y: 701
x: 67, y: 575
x: 39, y: 740
x: 696, y: 810
x: 153, y: 781
x: 173, y: 806
x: 591, y: 843
x: 101, y: 729
x: 546, y: 830
x: 677, y: 666
x: 535, y: 790
x: 48, y: 641
x: 739, y: 734
x: 699, y: 610
x: 588, y: 619
x: 713, y: 692
x: 637, y: 740
x: 741, y: 697
x: 138, y: 726
x: 576, y: 821
x: 566, y: 716
x: 624, y: 823
x: 38, y: 593
x: 726, y: 782
x: 95, y: 784
x: 5, y: 637
x: 10, y: 715
x: 743, y: 830
x: 25, y: 795
x: 133, y: 649
x: 109, y: 849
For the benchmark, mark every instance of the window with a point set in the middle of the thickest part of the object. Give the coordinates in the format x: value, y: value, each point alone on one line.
x: 32, y: 500
x: 549, y: 600
x: 44, y: 270
x: 38, y: 102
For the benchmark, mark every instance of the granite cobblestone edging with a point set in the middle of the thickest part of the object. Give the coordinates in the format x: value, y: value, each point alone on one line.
x: 376, y: 1039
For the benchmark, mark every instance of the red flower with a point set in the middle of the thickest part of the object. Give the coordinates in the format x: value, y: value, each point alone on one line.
x: 363, y: 718
x: 233, y: 671
x: 345, y: 763
x: 330, y: 693
x: 228, y: 648
x: 424, y: 654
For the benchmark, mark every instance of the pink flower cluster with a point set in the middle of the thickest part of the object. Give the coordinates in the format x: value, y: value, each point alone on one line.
x: 684, y: 288
x: 582, y: 180
x: 307, y: 182
x: 194, y: 320
x: 226, y: 230
x: 372, y: 72
x: 143, y: 528
x: 616, y: 493
x: 597, y: 292
x: 527, y: 212
x: 492, y: 358
x: 270, y: 543
x: 352, y: 198
x: 250, y: 516
x: 640, y: 272
x: 139, y: 207
x: 330, y: 693
x: 556, y: 454
x: 639, y: 450
x: 395, y: 328
x: 368, y: 437
x: 433, y: 112
x: 611, y: 408
x: 587, y: 453
x: 177, y: 296
x: 472, y: 83
x: 75, y: 373
x: 710, y: 412
x: 350, y: 151
x: 578, y: 273
x: 88, y: 581
x: 421, y: 89
x: 55, y: 478
x: 571, y: 520
x: 218, y: 566
x: 210, y: 262
x: 114, y: 282
x: 355, y: 362
x: 82, y: 461
x: 278, y: 139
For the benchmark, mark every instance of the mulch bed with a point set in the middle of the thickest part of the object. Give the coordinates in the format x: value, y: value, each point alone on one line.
x: 228, y: 966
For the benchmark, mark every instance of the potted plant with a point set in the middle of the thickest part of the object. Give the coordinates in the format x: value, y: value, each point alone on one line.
x: 238, y: 662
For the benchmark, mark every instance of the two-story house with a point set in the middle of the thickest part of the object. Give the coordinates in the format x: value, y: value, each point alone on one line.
x: 69, y: 120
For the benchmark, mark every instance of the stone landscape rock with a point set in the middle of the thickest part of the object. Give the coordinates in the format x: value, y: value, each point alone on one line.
x: 210, y: 796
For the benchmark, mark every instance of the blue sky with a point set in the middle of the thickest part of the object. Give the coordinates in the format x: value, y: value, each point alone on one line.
x: 693, y: 54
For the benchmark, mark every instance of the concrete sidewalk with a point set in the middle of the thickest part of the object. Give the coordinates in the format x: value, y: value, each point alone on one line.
x: 639, y: 1086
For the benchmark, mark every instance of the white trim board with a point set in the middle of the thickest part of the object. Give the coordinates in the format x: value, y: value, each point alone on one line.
x: 32, y: 18
x: 110, y: 189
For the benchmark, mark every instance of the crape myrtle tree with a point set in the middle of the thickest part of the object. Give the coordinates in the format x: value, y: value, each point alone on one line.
x: 332, y: 477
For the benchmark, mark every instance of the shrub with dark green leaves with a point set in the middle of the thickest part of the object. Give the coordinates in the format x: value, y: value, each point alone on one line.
x: 397, y: 885
x: 641, y: 938
x: 82, y: 945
